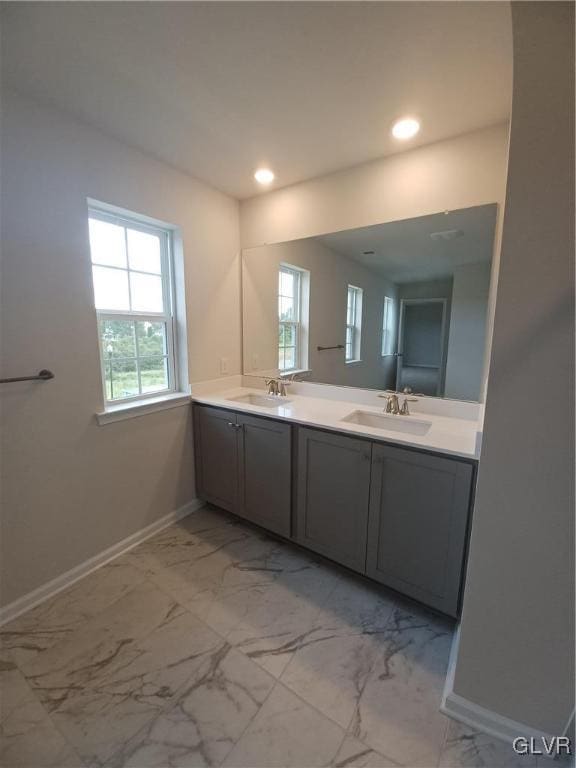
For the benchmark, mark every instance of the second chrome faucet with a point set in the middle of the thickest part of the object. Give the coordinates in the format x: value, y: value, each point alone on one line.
x: 393, y: 404
x: 277, y: 387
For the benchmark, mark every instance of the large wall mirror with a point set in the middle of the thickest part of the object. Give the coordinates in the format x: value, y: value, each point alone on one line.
x: 395, y: 305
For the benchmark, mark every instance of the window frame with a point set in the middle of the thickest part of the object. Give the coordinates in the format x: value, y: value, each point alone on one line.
x: 295, y: 324
x: 168, y: 316
x: 355, y: 329
x: 387, y: 317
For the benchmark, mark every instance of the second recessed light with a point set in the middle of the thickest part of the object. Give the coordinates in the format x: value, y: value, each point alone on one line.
x: 264, y: 176
x: 405, y: 128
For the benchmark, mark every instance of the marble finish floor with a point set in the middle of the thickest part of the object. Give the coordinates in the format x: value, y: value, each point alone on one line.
x: 213, y: 644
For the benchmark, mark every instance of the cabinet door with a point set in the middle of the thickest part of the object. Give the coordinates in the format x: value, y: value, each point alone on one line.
x: 333, y: 494
x: 265, y: 473
x: 216, y: 456
x: 419, y: 506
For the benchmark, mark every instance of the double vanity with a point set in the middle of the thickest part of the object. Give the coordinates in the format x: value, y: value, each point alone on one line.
x: 382, y: 486
x: 388, y: 496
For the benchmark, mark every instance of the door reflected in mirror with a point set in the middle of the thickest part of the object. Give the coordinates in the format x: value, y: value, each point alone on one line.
x: 395, y: 305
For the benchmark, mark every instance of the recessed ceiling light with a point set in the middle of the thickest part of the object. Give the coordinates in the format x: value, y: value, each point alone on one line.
x: 264, y: 176
x: 405, y: 128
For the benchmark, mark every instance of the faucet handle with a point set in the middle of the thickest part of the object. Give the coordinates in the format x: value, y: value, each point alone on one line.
x: 272, y: 385
x: 404, y: 410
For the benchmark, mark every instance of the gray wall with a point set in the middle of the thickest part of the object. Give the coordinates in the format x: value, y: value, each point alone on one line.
x: 516, y: 654
x: 425, y: 380
x: 468, y: 318
x: 71, y: 488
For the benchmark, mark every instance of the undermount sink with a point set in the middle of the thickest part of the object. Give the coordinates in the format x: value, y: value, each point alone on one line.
x: 390, y: 423
x: 264, y: 401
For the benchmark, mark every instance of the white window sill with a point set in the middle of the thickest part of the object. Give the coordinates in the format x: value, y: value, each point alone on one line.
x: 353, y: 362
x: 295, y: 372
x: 141, y: 408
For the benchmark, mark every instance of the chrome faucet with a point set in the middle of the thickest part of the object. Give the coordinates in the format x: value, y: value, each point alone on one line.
x: 404, y: 410
x: 277, y: 387
x: 272, y: 385
x: 392, y: 405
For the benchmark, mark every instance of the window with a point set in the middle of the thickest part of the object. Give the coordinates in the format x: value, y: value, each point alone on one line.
x: 290, y: 318
x: 353, y: 324
x: 388, y: 327
x: 131, y: 270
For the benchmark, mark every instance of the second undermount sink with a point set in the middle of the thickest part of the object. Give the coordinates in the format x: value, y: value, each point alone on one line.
x: 264, y: 401
x: 390, y: 423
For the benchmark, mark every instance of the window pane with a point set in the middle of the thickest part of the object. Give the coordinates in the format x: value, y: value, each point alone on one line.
x: 146, y: 292
x: 153, y: 373
x: 144, y: 251
x: 151, y: 338
x: 121, y: 379
x: 287, y: 284
x: 107, y: 244
x: 110, y: 288
x: 286, y: 309
x: 117, y: 339
x: 289, y: 358
x: 289, y: 336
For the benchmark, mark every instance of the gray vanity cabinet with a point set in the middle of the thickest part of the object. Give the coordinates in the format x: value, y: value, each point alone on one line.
x: 216, y: 456
x: 265, y: 475
x: 419, y: 506
x: 398, y: 515
x: 332, y: 496
x: 243, y: 464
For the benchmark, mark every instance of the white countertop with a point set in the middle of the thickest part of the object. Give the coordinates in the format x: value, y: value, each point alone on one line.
x: 447, y: 434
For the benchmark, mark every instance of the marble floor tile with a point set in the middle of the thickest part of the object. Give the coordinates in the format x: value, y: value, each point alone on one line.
x: 278, y: 621
x: 330, y: 669
x: 213, y: 644
x: 29, y: 739
x: 100, y: 645
x: 465, y: 747
x: 209, y: 716
x: 105, y: 712
x: 398, y: 713
x: 357, y: 606
x: 286, y: 732
x: 189, y: 564
x: 224, y: 603
x: 355, y: 754
x: 53, y: 621
x: 14, y: 689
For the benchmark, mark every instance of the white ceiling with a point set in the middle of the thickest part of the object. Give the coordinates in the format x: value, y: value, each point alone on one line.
x: 219, y: 88
x: 404, y: 251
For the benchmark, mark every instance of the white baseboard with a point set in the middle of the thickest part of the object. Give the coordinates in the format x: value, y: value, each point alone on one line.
x: 48, y: 590
x: 486, y: 720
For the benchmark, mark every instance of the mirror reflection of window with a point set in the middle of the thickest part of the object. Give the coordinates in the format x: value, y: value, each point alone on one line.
x: 289, y: 317
x: 388, y: 327
x: 353, y: 324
